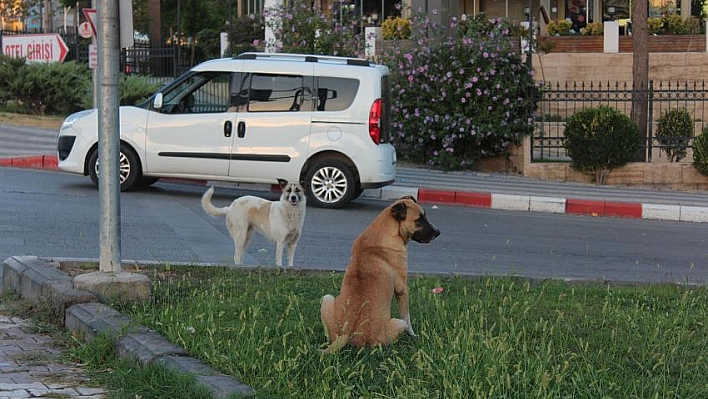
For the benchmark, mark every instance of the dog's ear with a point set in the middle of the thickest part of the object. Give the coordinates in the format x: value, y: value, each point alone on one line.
x: 282, y: 182
x: 410, y: 197
x: 303, y: 184
x: 398, y: 211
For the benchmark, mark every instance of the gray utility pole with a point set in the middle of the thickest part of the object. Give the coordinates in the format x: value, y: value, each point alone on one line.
x: 108, y: 135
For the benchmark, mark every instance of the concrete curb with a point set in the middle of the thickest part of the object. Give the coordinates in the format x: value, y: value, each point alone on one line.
x: 635, y: 210
x: 45, y: 162
x: 41, y: 282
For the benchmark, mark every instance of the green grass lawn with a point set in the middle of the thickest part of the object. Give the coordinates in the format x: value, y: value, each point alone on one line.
x: 479, y: 338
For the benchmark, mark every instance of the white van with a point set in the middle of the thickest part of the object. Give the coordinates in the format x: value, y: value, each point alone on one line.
x: 253, y: 119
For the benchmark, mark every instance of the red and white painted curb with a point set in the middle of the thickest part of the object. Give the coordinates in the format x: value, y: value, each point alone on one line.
x: 48, y: 162
x: 528, y: 203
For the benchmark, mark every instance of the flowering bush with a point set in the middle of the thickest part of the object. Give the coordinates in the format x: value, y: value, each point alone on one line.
x: 302, y: 27
x: 458, y: 99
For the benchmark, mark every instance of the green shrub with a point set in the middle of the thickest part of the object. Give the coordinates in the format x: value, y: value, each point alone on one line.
x: 600, y: 139
x: 593, y: 29
x: 396, y: 28
x: 208, y: 44
x: 240, y: 48
x: 655, y: 25
x: 675, y: 25
x: 674, y: 131
x: 132, y: 90
x: 559, y: 28
x: 694, y: 25
x: 246, y: 32
x: 54, y: 88
x: 700, y: 151
x: 8, y: 73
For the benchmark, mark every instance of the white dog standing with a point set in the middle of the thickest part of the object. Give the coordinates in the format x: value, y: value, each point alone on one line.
x: 279, y: 221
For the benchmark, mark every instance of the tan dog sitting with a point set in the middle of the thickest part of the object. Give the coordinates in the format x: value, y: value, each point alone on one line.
x: 377, y: 270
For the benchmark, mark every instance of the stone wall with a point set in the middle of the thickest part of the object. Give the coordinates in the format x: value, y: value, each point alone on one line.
x: 617, y: 67
x: 602, y: 67
x: 659, y: 174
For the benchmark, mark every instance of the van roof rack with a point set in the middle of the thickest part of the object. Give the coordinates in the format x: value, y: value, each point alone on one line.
x: 305, y: 58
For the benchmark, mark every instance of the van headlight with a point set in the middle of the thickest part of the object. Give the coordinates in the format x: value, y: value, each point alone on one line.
x: 73, y: 118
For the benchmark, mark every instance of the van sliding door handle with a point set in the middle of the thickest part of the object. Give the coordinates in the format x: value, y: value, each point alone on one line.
x: 241, y: 129
x: 228, y: 127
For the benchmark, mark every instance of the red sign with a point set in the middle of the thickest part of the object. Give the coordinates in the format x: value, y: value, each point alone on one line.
x: 85, y: 30
x: 48, y: 47
x: 90, y: 14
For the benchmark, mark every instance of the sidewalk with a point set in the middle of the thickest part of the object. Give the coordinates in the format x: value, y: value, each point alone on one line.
x: 29, y: 366
x: 34, y: 148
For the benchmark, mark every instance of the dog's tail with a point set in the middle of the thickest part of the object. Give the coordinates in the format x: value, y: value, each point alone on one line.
x: 337, y: 344
x: 208, y: 207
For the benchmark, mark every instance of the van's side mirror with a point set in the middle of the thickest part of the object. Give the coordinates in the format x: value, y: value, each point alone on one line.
x: 157, y: 102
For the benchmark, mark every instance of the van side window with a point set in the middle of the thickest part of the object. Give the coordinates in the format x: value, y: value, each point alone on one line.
x: 278, y: 93
x: 200, y: 93
x: 238, y: 92
x: 336, y: 94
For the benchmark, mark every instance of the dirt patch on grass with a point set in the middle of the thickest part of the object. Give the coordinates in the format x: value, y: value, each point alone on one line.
x: 40, y: 121
x: 73, y: 269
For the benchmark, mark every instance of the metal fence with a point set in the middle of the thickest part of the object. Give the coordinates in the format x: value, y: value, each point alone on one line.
x: 156, y: 61
x: 559, y: 101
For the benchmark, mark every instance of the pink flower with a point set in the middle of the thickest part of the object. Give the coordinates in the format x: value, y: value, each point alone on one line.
x: 438, y: 290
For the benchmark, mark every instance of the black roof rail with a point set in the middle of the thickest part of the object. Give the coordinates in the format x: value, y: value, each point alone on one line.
x: 359, y: 62
x: 307, y: 58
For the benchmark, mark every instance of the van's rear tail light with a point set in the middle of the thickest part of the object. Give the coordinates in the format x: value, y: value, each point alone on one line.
x: 375, y: 121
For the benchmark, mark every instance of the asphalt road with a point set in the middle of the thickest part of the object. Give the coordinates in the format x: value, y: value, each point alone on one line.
x: 53, y: 214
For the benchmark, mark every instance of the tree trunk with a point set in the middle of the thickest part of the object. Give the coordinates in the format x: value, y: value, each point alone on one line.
x: 47, y: 17
x: 154, y: 17
x: 640, y: 71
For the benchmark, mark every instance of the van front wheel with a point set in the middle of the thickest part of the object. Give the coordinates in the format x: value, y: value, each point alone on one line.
x: 330, y: 184
x: 129, y: 168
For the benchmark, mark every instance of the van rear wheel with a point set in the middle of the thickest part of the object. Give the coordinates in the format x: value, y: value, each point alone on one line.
x: 330, y: 184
